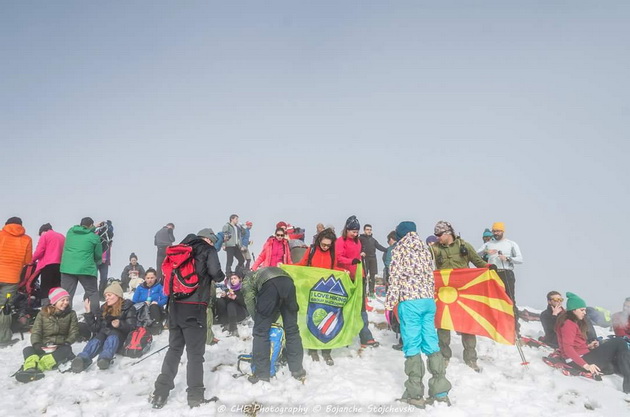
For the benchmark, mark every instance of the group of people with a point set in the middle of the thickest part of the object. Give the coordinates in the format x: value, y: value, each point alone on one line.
x: 266, y: 293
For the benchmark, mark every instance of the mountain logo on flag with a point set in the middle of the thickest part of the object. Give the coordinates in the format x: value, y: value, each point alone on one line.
x: 324, y: 316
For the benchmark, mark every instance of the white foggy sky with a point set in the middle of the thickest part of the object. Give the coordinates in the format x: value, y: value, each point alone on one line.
x: 472, y: 112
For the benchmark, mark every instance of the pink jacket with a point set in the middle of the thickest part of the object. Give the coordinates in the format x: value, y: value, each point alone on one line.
x: 272, y: 253
x: 346, y: 250
x: 49, y: 249
x: 572, y: 343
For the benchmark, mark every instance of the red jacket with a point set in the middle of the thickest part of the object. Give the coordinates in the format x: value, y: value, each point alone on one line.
x: 621, y: 324
x: 49, y: 249
x: 16, y: 250
x: 347, y: 250
x: 320, y: 259
x: 272, y: 254
x: 572, y: 342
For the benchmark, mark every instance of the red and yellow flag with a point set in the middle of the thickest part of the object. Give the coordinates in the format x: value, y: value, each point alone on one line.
x: 474, y: 301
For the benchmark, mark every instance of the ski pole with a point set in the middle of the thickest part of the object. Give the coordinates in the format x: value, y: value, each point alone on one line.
x: 147, y: 357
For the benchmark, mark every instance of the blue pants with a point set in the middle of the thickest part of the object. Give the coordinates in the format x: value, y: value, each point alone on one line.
x: 107, y: 349
x: 417, y: 326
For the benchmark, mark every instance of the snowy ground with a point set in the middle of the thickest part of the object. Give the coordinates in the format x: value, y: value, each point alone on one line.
x: 365, y: 384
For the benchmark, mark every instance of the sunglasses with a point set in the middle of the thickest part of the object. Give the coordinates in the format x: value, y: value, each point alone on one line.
x: 324, y: 245
x: 558, y: 299
x: 278, y: 235
x: 439, y: 234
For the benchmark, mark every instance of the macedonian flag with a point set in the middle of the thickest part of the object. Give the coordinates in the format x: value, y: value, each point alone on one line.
x: 474, y: 301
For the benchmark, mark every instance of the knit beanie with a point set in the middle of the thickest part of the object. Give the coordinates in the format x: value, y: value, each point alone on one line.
x: 208, y: 233
x: 574, y: 302
x: 56, y: 294
x: 133, y: 255
x: 403, y: 228
x: 498, y: 226
x: 431, y: 239
x: 442, y: 227
x: 281, y: 225
x: 353, y: 223
x: 487, y: 233
x: 114, y: 288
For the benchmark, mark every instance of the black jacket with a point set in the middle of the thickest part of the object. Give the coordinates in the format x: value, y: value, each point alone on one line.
x: 103, y: 325
x: 164, y: 237
x: 208, y: 269
x: 548, y: 321
x: 369, y: 245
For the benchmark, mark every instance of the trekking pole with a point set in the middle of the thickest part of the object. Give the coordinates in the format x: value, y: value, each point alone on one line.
x: 147, y: 357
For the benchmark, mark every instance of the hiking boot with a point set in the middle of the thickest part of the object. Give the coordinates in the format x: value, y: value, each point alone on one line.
x: 79, y: 364
x: 314, y: 355
x: 439, y: 399
x: 370, y: 343
x: 299, y: 375
x: 196, y: 402
x: 397, y: 346
x: 473, y: 365
x: 416, y: 402
x: 156, y: 328
x: 158, y: 401
x: 328, y: 359
x: 254, y: 379
x: 28, y: 375
x: 103, y: 363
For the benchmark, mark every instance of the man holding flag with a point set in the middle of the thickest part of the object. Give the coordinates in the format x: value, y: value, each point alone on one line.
x: 412, y: 288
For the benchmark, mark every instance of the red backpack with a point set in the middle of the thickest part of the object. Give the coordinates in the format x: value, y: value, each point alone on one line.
x: 138, y: 343
x: 178, y: 268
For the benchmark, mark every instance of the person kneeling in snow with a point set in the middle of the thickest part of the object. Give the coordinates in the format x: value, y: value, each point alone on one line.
x: 270, y: 293
x: 55, y: 329
x: 152, y: 293
x: 412, y: 287
x: 117, y: 317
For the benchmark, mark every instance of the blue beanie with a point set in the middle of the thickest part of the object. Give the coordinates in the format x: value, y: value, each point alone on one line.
x: 431, y: 239
x: 403, y: 228
x: 487, y: 233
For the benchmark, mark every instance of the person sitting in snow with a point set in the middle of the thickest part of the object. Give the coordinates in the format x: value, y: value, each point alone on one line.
x: 151, y: 292
x: 55, y: 329
x: 549, y: 317
x: 117, y: 317
x: 594, y: 357
x: 231, y: 305
x: 133, y: 274
x: 621, y: 320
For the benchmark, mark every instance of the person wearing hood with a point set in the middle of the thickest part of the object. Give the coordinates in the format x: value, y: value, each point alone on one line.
x: 16, y: 250
x: 48, y: 258
x: 452, y: 252
x: 82, y: 253
x: 597, y: 358
x: 187, y: 324
x: 230, y: 306
x: 412, y: 289
x: 132, y: 275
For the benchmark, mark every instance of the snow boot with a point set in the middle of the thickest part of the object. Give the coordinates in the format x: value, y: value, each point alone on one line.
x: 46, y: 362
x: 416, y: 402
x: 158, y: 401
x: 80, y: 364
x: 441, y: 398
x: 104, y: 363
x: 370, y: 343
x: 328, y: 359
x: 29, y: 372
x: 473, y: 365
x: 299, y: 375
x: 254, y: 379
x: 196, y: 398
x: 397, y: 346
x: 439, y: 386
x: 314, y: 355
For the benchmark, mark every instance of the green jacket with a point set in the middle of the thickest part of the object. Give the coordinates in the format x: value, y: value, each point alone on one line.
x: 450, y: 256
x: 254, y: 281
x: 82, y: 252
x: 58, y: 328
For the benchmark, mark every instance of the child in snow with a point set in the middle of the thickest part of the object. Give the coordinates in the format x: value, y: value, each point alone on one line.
x: 152, y: 293
x: 607, y: 357
x: 132, y: 275
x: 231, y: 306
x: 55, y: 329
x: 117, y: 317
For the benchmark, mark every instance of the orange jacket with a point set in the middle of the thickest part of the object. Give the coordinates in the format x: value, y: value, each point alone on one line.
x: 16, y: 250
x: 320, y: 259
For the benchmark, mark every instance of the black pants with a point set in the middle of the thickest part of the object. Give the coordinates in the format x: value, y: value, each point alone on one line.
x: 233, y: 252
x: 62, y: 354
x: 276, y: 298
x: 161, y: 254
x: 229, y: 312
x: 49, y: 277
x: 371, y: 269
x: 610, y: 357
x: 187, y: 328
x: 507, y: 276
x: 103, y: 269
x: 156, y: 313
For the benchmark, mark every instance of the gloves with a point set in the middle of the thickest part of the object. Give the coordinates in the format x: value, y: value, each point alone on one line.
x: 492, y: 267
x: 356, y: 261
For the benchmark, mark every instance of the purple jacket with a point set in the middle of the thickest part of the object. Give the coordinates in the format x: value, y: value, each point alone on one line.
x: 49, y: 249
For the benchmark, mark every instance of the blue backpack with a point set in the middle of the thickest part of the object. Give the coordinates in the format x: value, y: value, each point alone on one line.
x: 276, y: 337
x: 220, y: 239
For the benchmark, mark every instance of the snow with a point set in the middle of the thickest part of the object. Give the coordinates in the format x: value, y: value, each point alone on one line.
x: 365, y: 383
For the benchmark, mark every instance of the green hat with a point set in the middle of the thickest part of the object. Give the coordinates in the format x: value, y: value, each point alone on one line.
x: 574, y: 302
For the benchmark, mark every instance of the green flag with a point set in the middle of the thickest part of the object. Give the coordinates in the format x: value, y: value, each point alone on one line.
x: 330, y: 305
